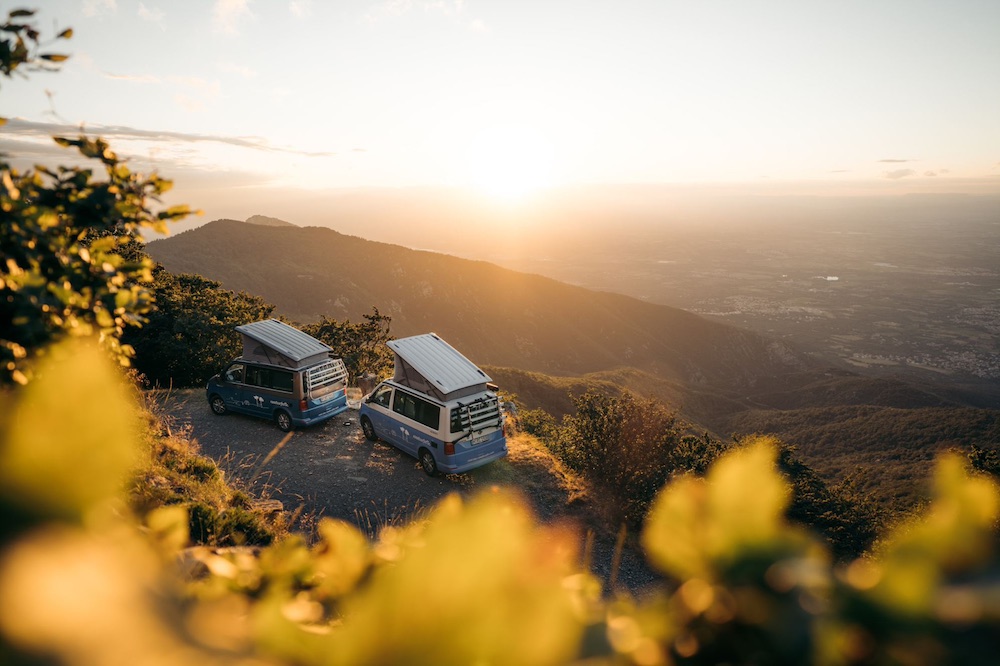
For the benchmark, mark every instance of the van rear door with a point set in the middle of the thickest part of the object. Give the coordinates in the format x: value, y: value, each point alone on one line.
x: 478, y: 425
x: 324, y: 388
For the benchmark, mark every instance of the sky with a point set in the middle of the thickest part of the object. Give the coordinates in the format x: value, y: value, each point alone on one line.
x: 511, y: 97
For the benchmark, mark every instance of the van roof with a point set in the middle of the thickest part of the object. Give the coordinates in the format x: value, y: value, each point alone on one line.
x: 438, y: 362
x: 284, y: 339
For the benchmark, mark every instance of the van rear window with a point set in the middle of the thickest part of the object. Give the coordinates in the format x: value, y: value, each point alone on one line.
x: 327, y: 374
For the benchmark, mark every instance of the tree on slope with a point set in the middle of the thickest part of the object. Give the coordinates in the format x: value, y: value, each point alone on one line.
x: 62, y: 272
x: 191, y: 333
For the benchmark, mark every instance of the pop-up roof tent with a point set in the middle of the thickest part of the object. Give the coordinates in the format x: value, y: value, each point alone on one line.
x: 430, y: 365
x: 272, y: 341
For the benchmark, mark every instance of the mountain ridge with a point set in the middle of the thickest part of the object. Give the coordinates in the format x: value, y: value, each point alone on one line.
x: 505, y: 318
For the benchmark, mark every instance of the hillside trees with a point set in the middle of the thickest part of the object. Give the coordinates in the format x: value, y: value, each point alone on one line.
x: 61, y: 272
x: 629, y: 447
x: 191, y: 334
x: 361, y: 345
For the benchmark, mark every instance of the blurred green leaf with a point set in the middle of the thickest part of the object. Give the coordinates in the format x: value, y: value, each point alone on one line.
x: 72, y: 436
x: 696, y: 526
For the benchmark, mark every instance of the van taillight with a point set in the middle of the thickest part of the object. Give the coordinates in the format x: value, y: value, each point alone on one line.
x: 449, y: 448
x: 303, y: 404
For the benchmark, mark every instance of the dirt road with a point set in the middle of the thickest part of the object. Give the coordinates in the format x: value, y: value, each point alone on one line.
x: 332, y: 470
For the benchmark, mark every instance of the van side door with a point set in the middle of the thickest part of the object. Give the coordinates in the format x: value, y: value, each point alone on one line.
x: 255, y: 397
x: 419, y: 423
x: 380, y: 413
x: 231, y: 386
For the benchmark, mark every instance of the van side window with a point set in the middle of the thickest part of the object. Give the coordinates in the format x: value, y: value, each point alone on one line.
x: 382, y: 396
x: 281, y: 380
x: 278, y: 380
x: 418, y: 409
x: 235, y: 373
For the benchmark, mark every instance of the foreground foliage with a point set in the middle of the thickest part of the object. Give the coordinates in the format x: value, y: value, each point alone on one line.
x: 62, y: 271
x: 472, y: 582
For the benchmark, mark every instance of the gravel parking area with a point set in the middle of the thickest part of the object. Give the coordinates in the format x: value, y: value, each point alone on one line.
x: 332, y: 470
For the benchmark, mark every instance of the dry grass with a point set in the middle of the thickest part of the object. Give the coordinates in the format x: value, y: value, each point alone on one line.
x: 223, y: 510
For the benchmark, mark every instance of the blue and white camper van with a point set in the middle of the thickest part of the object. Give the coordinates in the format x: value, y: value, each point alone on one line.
x: 438, y: 407
x: 284, y: 375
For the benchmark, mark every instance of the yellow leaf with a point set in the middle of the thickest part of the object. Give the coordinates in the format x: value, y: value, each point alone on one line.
x: 169, y: 527
x: 72, y: 436
x: 469, y: 571
x: 697, y: 526
x: 342, y: 557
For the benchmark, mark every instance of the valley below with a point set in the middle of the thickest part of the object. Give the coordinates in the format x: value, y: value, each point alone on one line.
x: 894, y: 299
x: 868, y: 338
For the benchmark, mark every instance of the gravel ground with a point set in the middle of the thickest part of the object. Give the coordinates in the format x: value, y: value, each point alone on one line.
x: 331, y: 470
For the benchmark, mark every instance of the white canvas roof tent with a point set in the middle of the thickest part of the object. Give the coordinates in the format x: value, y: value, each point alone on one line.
x: 275, y: 342
x: 430, y: 365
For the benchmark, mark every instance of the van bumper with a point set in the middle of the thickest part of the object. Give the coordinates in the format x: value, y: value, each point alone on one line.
x: 467, y: 465
x: 304, y: 421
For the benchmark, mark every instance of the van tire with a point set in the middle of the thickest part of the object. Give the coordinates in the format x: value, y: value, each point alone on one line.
x: 217, y: 404
x: 427, y: 462
x: 368, y: 429
x: 283, y: 420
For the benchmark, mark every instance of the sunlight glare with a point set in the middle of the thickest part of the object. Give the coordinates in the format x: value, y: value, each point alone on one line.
x: 509, y: 163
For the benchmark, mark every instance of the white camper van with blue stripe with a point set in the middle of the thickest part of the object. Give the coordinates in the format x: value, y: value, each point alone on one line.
x: 439, y: 407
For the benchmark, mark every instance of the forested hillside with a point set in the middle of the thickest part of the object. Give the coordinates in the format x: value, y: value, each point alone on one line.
x: 546, y: 342
x: 494, y: 315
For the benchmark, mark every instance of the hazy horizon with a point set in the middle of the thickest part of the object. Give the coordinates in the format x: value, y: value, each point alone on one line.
x: 511, y: 102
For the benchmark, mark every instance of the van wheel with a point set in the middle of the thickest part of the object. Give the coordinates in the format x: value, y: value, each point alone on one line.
x: 428, y: 463
x: 217, y: 404
x: 368, y: 429
x: 284, y: 421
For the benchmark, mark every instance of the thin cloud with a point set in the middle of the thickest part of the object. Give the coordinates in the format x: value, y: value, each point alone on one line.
x: 232, y: 68
x: 300, y: 8
x: 930, y: 174
x: 226, y: 14
x: 27, y: 128
x: 132, y: 78
x: 95, y: 7
x: 392, y: 9
x: 154, y: 15
x: 899, y: 173
x: 894, y: 161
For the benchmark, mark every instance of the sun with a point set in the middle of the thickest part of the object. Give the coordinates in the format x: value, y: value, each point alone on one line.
x: 509, y: 163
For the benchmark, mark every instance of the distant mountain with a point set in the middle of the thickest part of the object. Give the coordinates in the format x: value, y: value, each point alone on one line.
x: 268, y: 221
x: 500, y: 317
x: 495, y: 316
